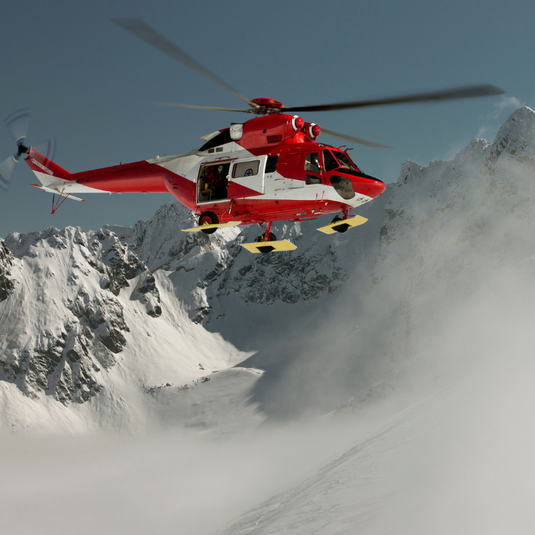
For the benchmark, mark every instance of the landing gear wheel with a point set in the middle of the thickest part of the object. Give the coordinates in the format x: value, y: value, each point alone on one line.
x: 208, y: 218
x: 262, y: 238
x: 266, y: 248
x: 342, y: 227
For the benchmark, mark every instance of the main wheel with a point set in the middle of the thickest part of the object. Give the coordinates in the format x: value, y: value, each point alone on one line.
x: 208, y: 218
x: 262, y: 238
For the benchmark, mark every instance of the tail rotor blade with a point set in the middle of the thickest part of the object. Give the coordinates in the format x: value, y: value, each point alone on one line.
x: 17, y: 124
x: 46, y: 148
x: 6, y: 170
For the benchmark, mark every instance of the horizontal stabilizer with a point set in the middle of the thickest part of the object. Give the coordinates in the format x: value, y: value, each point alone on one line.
x: 269, y: 246
x: 58, y: 192
x: 343, y: 225
x: 216, y: 225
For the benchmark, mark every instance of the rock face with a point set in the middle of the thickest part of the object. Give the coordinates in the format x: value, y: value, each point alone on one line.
x: 96, y: 315
x: 63, y: 321
x: 6, y: 261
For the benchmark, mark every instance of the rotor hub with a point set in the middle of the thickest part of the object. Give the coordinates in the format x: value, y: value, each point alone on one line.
x: 267, y: 106
x: 22, y: 149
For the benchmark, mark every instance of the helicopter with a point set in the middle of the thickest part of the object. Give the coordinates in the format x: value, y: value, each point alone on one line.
x: 266, y: 169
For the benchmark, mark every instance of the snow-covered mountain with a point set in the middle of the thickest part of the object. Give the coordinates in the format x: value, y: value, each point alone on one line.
x: 133, y: 328
x: 447, y: 358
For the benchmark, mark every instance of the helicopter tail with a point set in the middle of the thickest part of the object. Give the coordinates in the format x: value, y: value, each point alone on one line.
x: 54, y: 179
x: 48, y: 172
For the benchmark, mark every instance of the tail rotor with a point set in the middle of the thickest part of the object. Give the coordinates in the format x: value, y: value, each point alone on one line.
x: 17, y: 124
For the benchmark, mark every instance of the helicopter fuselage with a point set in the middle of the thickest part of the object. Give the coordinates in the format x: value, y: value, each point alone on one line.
x: 269, y: 168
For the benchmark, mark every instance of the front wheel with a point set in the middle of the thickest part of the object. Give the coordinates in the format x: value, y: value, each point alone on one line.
x: 208, y: 218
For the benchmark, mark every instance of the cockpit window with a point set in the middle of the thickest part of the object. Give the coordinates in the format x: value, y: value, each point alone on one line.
x: 345, y: 161
x: 330, y: 161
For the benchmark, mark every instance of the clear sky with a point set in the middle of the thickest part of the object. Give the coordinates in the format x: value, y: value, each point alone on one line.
x: 91, y: 85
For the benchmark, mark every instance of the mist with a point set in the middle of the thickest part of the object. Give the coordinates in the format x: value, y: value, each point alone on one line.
x: 168, y: 481
x: 436, y: 347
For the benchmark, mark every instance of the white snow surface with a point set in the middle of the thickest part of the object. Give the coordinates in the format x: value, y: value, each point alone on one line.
x: 377, y: 381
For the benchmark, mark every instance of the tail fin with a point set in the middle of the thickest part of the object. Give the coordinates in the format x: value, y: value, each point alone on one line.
x: 45, y: 169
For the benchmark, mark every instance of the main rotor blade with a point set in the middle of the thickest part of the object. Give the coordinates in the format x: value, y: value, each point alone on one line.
x: 201, y: 107
x: 448, y: 94
x: 144, y: 32
x: 353, y: 139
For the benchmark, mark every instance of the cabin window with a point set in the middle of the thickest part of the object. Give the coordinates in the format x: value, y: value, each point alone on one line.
x: 330, y: 161
x: 243, y: 169
x: 271, y: 164
x: 312, y: 165
x: 312, y: 162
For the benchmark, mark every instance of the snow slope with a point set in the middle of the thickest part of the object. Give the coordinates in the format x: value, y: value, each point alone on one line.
x: 458, y: 461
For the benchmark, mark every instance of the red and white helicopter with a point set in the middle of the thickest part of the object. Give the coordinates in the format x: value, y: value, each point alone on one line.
x: 269, y: 168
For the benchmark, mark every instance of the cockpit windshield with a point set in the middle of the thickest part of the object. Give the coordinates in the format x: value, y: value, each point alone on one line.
x: 334, y: 159
x: 345, y: 161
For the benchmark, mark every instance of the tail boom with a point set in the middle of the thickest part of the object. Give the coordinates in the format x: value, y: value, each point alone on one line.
x: 137, y: 177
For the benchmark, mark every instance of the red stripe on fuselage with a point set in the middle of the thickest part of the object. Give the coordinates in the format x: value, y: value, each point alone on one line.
x: 182, y: 189
x: 137, y: 177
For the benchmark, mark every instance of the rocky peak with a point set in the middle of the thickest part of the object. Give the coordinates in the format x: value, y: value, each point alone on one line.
x: 409, y: 172
x: 517, y: 135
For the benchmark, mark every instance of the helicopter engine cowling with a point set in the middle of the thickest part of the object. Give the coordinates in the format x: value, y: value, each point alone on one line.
x: 312, y: 130
x: 269, y: 131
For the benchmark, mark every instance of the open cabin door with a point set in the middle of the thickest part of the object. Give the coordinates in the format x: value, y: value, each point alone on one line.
x: 246, y: 178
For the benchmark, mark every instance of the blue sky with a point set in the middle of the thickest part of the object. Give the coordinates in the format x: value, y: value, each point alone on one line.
x: 91, y: 85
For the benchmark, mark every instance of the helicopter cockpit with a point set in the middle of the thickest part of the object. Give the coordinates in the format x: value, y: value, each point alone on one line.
x: 335, y: 159
x: 339, y: 164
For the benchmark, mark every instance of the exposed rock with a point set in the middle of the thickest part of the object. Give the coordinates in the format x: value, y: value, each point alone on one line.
x: 6, y: 261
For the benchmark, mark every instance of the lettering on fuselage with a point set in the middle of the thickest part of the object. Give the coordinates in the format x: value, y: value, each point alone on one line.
x: 41, y: 166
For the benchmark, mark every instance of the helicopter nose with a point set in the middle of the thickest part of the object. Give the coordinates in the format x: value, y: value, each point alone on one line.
x: 376, y: 187
x: 369, y: 186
